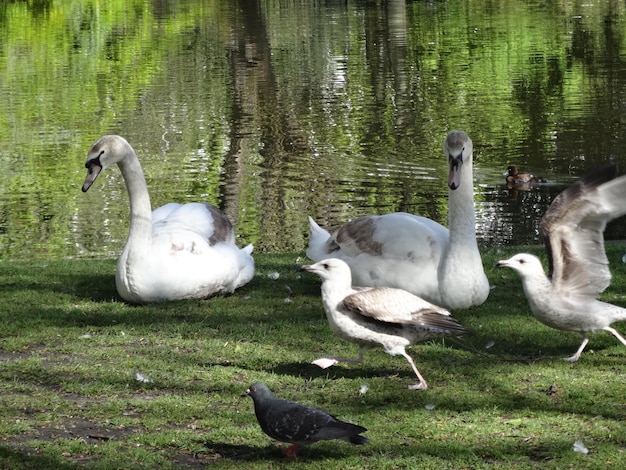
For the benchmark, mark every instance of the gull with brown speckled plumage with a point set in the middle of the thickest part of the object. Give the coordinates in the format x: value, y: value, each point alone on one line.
x: 378, y: 316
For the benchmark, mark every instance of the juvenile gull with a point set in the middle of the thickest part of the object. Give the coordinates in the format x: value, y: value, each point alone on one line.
x: 298, y: 424
x: 415, y: 253
x: 177, y: 251
x: 378, y: 316
x: 573, y: 229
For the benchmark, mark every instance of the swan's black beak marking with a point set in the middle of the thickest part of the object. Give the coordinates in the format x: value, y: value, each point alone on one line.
x: 93, y: 170
x: 454, y: 177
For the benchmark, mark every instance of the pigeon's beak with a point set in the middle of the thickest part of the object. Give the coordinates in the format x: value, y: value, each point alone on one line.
x: 503, y: 263
x: 308, y: 268
x: 246, y: 393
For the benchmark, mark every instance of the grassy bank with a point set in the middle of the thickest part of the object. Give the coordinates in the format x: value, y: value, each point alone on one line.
x: 89, y: 382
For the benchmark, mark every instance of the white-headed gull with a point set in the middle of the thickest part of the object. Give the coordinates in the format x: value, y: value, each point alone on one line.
x: 573, y: 229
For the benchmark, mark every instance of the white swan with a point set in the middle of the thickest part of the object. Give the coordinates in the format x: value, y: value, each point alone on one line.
x: 573, y: 228
x: 177, y: 251
x: 416, y: 253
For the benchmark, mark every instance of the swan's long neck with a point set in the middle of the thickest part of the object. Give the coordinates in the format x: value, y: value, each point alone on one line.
x: 462, y: 281
x: 461, y: 213
x: 140, y: 234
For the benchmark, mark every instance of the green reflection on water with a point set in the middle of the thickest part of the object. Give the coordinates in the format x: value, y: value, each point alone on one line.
x: 275, y: 111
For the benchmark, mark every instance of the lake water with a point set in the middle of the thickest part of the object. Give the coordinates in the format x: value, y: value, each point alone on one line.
x: 276, y: 110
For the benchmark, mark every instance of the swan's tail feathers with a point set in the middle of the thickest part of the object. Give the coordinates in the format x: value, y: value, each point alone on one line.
x: 248, y: 249
x: 246, y: 269
x: 317, y: 241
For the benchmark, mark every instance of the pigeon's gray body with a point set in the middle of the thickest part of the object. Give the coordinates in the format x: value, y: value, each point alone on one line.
x: 298, y: 424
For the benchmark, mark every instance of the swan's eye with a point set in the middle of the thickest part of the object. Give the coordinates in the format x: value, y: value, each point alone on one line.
x: 94, y: 161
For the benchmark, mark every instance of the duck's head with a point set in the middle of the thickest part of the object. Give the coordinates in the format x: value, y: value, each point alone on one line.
x: 511, y: 170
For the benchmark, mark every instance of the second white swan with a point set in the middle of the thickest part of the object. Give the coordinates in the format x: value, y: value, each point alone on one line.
x: 415, y: 253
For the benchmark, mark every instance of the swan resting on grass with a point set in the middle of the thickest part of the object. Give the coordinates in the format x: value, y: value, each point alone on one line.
x: 415, y: 253
x: 178, y: 251
x: 378, y: 316
x: 573, y: 229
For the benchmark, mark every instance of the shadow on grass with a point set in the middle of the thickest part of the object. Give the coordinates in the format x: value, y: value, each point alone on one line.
x: 17, y: 459
x: 308, y: 371
x: 498, y: 450
x: 273, y: 451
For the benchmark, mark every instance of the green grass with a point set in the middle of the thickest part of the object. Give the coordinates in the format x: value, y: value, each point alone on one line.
x: 69, y: 399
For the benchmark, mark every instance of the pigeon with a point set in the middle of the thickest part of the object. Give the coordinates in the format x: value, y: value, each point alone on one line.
x: 573, y: 230
x: 298, y: 424
x: 378, y: 316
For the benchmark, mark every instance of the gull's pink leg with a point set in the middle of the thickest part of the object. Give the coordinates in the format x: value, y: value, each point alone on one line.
x: 422, y: 383
x: 577, y: 354
x: 616, y: 334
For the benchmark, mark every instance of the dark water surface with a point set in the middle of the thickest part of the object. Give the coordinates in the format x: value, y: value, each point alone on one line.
x: 278, y: 110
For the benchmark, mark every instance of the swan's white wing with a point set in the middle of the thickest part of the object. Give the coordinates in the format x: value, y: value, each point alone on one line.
x: 398, y: 234
x: 573, y: 228
x: 185, y: 222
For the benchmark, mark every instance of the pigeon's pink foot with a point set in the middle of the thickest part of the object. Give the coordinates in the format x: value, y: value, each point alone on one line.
x: 292, y: 451
x: 419, y: 386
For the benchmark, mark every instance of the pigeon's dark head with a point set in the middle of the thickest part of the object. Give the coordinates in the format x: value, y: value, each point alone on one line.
x: 258, y: 391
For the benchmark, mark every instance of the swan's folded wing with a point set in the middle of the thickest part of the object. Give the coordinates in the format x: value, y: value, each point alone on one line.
x: 390, y: 235
x: 202, y: 219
